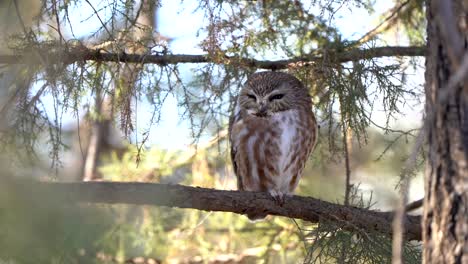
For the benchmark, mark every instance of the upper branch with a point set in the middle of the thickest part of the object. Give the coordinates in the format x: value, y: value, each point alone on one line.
x: 238, y: 202
x: 85, y: 54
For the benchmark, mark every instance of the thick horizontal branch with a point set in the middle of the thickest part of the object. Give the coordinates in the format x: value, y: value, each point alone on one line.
x: 85, y: 54
x: 238, y: 202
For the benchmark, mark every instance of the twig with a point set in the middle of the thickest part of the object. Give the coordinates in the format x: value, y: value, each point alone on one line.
x: 85, y: 54
x: 347, y: 166
x: 385, y: 24
x: 100, y: 20
x: 57, y: 20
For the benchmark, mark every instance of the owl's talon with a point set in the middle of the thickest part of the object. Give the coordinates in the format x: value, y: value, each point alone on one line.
x: 279, y: 200
x: 279, y: 197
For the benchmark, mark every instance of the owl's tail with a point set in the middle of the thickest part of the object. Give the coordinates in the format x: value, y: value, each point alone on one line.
x: 256, y: 216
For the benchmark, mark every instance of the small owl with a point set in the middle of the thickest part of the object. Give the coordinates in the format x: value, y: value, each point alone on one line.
x: 272, y: 131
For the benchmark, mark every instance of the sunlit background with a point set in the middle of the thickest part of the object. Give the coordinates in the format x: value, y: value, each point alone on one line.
x: 171, y: 151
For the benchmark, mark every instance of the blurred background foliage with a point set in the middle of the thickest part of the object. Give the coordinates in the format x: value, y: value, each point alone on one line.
x: 98, y: 121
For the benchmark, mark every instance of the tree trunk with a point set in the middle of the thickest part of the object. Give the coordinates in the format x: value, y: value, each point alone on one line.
x: 445, y: 220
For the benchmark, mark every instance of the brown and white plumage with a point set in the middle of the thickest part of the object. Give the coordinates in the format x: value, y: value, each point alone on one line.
x: 272, y: 132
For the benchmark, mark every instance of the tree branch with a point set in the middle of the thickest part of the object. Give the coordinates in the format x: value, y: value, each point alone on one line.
x: 85, y: 54
x: 238, y: 202
x: 414, y: 205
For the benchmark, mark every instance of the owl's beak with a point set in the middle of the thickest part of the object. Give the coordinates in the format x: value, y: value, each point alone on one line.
x: 262, y: 112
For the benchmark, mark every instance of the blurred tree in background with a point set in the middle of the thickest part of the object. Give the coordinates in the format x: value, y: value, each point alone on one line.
x: 84, y: 85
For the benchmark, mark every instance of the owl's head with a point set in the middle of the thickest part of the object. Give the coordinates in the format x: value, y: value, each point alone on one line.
x: 266, y: 93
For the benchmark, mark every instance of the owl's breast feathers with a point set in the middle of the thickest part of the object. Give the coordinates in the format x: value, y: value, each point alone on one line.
x: 269, y: 153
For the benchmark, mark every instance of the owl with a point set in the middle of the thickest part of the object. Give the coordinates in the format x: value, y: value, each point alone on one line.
x: 272, y: 131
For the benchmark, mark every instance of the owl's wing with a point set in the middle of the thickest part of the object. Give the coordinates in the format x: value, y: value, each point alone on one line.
x: 234, y: 118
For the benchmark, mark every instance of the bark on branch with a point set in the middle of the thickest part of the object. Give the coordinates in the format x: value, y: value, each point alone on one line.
x: 84, y: 54
x: 238, y: 202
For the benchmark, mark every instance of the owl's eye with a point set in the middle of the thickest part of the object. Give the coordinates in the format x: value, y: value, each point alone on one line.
x: 276, y: 97
x: 251, y: 96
